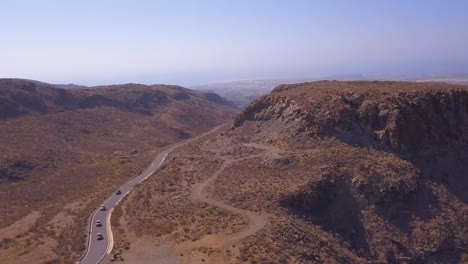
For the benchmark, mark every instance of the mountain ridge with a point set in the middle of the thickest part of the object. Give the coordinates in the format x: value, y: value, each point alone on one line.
x: 328, y: 165
x: 64, y: 151
x: 18, y: 97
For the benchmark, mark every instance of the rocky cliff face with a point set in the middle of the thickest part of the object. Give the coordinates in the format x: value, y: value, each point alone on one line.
x: 402, y: 119
x: 380, y: 164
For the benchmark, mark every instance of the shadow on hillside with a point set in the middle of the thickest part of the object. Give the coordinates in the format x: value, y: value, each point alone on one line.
x: 444, y: 164
x: 447, y: 168
x: 421, y: 204
x: 143, y: 103
x: 341, y: 216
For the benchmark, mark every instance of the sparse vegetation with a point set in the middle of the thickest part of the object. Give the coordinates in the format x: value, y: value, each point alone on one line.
x: 64, y: 151
x: 310, y: 158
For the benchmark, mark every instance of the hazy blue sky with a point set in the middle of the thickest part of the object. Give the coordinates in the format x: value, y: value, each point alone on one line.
x: 191, y: 42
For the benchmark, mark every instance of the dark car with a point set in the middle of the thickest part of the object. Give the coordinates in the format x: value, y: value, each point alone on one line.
x: 103, y: 208
x: 99, y: 236
x: 118, y: 192
x: 98, y: 223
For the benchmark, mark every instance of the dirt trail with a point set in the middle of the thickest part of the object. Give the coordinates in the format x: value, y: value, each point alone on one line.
x: 168, y: 253
x: 271, y: 151
x: 255, y: 221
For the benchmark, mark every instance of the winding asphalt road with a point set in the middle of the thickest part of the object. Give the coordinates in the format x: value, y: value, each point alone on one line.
x: 98, y: 249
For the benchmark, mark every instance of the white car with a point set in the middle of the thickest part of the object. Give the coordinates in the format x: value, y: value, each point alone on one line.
x: 103, y: 208
x: 98, y: 223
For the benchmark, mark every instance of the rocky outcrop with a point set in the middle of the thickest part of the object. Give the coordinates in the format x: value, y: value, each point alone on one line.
x: 278, y: 108
x: 265, y: 108
x: 399, y: 120
x: 379, y: 165
x: 385, y: 180
x: 411, y: 120
x: 377, y: 181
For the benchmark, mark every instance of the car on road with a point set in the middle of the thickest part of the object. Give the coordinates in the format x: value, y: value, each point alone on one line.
x: 99, y: 236
x: 118, y: 192
x: 98, y: 223
x: 103, y: 208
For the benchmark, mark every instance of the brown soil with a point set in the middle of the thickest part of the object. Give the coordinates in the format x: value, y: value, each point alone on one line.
x: 64, y: 151
x: 344, y: 172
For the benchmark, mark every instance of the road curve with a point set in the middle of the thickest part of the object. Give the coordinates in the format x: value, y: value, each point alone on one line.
x: 98, y: 249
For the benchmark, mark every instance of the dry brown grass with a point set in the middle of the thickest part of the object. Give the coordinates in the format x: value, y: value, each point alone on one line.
x: 161, y: 207
x: 341, y: 197
x: 63, y: 162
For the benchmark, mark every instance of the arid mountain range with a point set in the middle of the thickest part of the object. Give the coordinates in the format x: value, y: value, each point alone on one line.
x: 318, y: 172
x: 63, y: 151
x: 322, y: 172
x: 243, y: 92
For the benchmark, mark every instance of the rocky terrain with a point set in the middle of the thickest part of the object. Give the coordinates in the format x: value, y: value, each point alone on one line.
x: 63, y: 151
x: 322, y: 172
x: 243, y: 92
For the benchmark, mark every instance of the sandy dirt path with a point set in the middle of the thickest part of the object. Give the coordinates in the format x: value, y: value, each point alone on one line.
x: 255, y: 221
x: 167, y: 253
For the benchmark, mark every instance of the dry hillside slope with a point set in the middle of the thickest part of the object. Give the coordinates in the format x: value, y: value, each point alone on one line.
x: 322, y: 172
x: 64, y: 151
